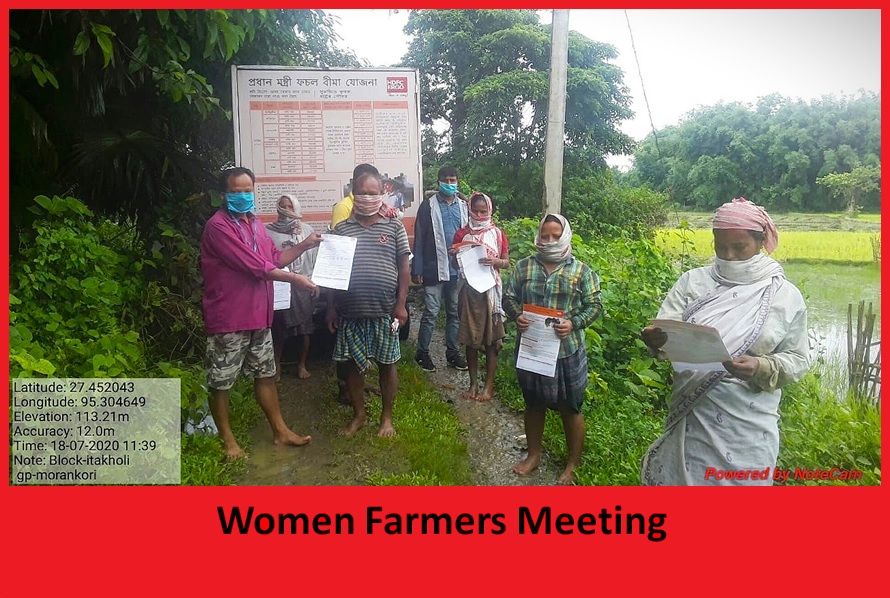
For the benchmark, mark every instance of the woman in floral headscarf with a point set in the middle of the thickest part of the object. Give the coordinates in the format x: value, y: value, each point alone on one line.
x: 727, y: 420
x: 286, y: 232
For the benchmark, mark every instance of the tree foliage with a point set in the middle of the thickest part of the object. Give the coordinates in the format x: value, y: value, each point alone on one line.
x: 132, y: 108
x: 853, y: 185
x: 81, y: 272
x: 773, y: 153
x: 485, y: 75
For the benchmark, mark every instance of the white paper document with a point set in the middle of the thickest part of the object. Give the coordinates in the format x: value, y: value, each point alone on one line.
x: 282, y: 294
x: 333, y: 264
x: 692, y: 346
x: 479, y: 276
x: 539, y: 345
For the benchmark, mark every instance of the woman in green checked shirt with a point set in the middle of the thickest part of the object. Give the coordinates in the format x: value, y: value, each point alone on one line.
x: 553, y: 279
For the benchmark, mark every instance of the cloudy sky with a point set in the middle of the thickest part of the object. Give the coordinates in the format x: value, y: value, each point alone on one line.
x: 691, y: 58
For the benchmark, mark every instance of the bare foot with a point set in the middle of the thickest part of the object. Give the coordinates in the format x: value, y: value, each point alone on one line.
x: 354, y: 426
x: 235, y: 452
x: 469, y: 394
x: 302, y: 373
x: 386, y: 430
x: 483, y: 396
x: 567, y: 477
x: 290, y: 439
x: 528, y: 465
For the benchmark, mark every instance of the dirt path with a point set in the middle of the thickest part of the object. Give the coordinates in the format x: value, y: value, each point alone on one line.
x: 310, y: 407
x: 493, y: 431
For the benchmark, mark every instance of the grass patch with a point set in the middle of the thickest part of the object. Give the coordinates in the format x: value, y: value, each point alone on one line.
x: 430, y: 448
x: 429, y: 434
x: 824, y: 246
x: 203, y: 462
x: 818, y: 431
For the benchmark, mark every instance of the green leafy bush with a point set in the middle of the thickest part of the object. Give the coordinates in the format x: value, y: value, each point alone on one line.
x: 75, y: 295
x: 597, y: 203
x: 81, y: 302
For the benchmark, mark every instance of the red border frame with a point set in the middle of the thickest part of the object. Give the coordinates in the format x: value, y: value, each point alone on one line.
x: 147, y: 540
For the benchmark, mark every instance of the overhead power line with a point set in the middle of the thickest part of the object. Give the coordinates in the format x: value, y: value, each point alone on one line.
x: 640, y: 73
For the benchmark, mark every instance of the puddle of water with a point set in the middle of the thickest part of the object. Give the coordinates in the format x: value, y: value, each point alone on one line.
x: 829, y: 351
x: 304, y: 409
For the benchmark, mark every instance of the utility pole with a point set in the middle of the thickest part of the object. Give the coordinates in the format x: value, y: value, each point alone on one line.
x: 556, y: 113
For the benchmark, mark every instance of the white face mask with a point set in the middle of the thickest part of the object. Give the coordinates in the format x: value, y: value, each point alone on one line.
x: 553, y: 252
x: 367, y: 205
x: 744, y: 272
x: 479, y: 223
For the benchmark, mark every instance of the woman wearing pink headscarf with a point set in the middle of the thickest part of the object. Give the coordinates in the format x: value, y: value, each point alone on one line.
x: 726, y: 420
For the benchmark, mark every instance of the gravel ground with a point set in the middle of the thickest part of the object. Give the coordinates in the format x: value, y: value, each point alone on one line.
x: 495, y: 435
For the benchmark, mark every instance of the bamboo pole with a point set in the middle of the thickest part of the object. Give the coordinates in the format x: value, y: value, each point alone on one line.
x: 850, y: 346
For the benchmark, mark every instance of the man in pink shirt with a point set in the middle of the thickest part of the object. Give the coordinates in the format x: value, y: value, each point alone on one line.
x: 239, y: 262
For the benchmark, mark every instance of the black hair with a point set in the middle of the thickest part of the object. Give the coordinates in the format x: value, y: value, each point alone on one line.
x: 363, y: 169
x: 552, y: 218
x: 230, y: 173
x: 445, y: 172
x: 367, y: 174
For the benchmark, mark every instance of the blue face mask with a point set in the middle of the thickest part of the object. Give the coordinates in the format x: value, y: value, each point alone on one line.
x: 448, y: 189
x: 240, y: 203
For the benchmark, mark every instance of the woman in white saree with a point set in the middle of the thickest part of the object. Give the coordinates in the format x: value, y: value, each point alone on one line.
x: 722, y: 426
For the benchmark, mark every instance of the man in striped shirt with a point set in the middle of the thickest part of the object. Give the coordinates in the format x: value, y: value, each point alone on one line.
x: 364, y: 315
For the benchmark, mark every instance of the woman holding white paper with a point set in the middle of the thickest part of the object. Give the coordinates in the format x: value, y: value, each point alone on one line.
x: 287, y: 231
x: 727, y: 421
x: 481, y: 313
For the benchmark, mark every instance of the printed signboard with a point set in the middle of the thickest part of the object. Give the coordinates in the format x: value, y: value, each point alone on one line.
x: 302, y: 131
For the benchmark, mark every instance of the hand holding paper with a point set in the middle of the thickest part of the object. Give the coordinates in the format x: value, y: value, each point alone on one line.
x: 478, y: 276
x: 743, y: 367
x: 692, y: 346
x: 333, y: 265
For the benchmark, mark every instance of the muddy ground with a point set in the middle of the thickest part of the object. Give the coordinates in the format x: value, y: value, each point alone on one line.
x: 493, y: 433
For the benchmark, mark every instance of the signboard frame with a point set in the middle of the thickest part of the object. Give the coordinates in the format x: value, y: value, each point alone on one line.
x: 317, y: 101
